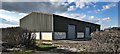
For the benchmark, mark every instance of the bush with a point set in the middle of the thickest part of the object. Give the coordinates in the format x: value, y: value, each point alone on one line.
x: 107, y: 41
x: 17, y: 37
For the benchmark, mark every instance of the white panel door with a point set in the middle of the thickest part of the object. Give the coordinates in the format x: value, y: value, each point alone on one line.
x: 37, y: 35
x: 87, y: 32
x: 80, y: 34
x: 46, y: 35
x: 71, y: 31
x: 59, y: 35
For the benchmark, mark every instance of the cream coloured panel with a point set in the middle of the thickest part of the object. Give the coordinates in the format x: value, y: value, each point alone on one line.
x: 46, y: 35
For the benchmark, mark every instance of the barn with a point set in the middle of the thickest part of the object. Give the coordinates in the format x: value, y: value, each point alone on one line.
x: 54, y: 27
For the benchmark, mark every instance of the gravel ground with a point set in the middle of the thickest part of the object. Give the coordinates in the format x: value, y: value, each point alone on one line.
x: 70, y: 45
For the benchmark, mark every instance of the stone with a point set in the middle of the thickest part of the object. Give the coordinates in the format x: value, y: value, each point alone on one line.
x: 73, y: 49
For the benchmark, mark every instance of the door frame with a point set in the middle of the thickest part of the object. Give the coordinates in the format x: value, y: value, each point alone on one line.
x: 89, y: 31
x: 75, y: 31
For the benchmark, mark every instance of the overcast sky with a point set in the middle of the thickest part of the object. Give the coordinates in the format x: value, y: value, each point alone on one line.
x: 103, y: 13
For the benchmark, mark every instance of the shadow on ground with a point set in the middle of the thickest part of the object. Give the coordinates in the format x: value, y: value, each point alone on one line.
x: 41, y: 51
x: 53, y: 51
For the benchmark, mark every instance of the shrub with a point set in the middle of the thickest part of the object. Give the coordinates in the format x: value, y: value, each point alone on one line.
x: 108, y: 41
x: 17, y: 37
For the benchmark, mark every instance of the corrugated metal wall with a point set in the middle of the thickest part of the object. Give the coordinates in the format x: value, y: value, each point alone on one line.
x: 37, y: 22
x: 61, y: 24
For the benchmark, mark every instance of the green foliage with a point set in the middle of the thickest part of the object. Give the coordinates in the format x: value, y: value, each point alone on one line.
x: 23, y: 52
x: 44, y: 47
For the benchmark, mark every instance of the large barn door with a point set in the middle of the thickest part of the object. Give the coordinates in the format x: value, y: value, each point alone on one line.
x: 87, y: 32
x: 71, y: 32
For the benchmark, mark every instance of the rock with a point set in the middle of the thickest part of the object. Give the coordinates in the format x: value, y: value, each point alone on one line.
x: 78, y: 50
x: 62, y: 48
x: 73, y: 49
x: 118, y: 50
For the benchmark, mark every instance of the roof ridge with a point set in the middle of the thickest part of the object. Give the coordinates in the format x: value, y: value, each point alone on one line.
x: 42, y: 12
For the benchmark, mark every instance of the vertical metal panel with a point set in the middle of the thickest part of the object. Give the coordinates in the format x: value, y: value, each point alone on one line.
x: 71, y: 31
x: 37, y: 22
x: 87, y: 32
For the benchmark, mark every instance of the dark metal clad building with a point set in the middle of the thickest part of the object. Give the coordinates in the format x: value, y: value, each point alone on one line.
x: 51, y: 26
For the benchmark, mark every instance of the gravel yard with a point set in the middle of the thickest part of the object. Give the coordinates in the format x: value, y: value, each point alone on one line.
x: 70, y: 45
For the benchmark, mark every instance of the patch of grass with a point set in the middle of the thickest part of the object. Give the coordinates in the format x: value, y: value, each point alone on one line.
x: 43, y: 47
x: 23, y: 52
x: 29, y: 51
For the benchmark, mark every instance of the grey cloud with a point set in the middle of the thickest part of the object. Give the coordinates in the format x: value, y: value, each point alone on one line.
x: 4, y: 21
x: 26, y: 7
x: 26, y: 1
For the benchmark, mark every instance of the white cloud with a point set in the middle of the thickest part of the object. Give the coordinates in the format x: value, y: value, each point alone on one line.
x: 115, y: 26
x: 10, y: 18
x: 74, y: 16
x: 103, y: 20
x: 104, y: 26
x: 98, y: 21
x: 80, y: 4
x: 82, y: 16
x: 59, y: 0
x: 108, y: 19
x: 70, y: 1
x: 10, y: 15
x: 7, y: 25
x: 105, y: 7
x: 92, y: 17
x: 77, y: 16
x: 1, y: 10
x: 98, y: 11
x: 71, y: 8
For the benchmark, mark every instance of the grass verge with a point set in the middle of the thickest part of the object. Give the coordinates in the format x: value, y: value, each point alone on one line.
x: 43, y: 47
